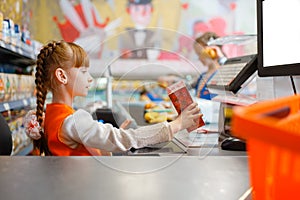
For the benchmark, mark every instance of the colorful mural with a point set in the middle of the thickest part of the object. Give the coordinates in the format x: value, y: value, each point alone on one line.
x: 124, y: 27
x: 224, y: 17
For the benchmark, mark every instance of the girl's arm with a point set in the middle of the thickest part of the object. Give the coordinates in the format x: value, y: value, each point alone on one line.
x: 82, y: 128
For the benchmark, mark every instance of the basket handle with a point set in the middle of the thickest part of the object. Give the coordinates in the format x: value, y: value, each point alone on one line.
x: 279, y: 113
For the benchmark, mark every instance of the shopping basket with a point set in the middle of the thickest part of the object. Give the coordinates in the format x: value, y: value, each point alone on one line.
x: 272, y: 131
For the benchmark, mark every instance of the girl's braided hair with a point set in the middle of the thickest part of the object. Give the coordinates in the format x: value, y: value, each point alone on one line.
x: 56, y: 54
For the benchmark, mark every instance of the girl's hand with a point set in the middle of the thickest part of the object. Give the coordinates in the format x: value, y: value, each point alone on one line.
x: 126, y: 123
x: 187, y: 118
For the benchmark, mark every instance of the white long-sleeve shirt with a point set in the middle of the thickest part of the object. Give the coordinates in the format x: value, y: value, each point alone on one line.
x: 81, y: 128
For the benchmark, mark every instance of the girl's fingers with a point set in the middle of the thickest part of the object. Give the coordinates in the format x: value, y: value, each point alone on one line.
x: 192, y: 106
x: 195, y: 109
x: 197, y: 116
x: 125, y: 123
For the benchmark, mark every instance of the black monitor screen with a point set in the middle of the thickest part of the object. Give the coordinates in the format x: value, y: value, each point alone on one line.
x: 278, y: 36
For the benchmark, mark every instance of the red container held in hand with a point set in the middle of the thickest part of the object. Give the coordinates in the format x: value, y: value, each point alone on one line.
x: 181, y: 98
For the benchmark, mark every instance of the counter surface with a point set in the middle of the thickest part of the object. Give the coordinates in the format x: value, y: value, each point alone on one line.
x: 125, y: 177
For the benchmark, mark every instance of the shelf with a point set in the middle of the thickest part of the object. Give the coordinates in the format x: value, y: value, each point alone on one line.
x: 16, y: 55
x: 17, y: 59
x: 4, y: 106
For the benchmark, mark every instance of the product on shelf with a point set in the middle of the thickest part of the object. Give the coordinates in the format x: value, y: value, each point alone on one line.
x: 16, y: 85
x: 2, y: 87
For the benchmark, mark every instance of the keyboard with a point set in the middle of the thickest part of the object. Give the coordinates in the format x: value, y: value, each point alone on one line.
x: 233, y: 73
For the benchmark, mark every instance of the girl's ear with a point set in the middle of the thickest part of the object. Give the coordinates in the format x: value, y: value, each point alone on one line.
x: 61, y: 75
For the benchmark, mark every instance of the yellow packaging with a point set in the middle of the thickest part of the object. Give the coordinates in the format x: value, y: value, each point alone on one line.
x: 13, y: 82
x: 2, y: 87
x: 7, y: 81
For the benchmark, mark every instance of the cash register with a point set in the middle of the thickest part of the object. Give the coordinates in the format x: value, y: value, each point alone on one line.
x: 233, y: 76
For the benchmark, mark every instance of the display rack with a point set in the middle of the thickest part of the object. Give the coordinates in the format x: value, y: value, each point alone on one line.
x: 5, y: 106
x: 22, y: 56
x: 19, y: 56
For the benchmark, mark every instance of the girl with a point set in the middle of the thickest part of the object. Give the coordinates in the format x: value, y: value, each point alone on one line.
x: 212, y: 57
x: 62, y: 68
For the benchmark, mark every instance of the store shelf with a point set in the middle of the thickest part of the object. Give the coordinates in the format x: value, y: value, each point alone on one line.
x: 16, y: 58
x: 16, y: 55
x: 4, y: 106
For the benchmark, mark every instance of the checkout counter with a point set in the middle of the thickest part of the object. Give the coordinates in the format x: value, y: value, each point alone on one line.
x: 191, y: 166
x: 130, y: 177
x: 196, y: 143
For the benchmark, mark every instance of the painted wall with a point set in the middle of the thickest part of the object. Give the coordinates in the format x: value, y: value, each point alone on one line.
x: 176, y: 22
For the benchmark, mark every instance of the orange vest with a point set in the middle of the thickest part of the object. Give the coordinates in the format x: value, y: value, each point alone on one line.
x: 54, y: 118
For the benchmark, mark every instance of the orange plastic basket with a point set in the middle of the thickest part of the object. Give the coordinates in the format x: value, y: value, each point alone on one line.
x: 272, y: 131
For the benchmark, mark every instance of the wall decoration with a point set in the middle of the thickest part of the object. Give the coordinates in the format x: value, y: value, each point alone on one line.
x: 103, y: 27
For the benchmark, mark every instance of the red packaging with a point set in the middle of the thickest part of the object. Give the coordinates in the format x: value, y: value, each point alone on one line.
x: 181, y: 98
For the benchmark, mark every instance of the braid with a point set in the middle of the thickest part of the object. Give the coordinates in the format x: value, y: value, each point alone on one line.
x: 41, y: 93
x: 54, y: 55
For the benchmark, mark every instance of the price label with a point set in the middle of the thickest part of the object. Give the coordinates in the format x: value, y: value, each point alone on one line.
x: 25, y: 102
x: 13, y: 48
x: 20, y: 51
x: 6, y: 106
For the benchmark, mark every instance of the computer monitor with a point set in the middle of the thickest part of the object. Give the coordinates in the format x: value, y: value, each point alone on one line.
x: 278, y: 37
